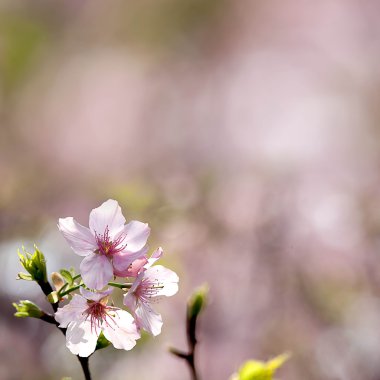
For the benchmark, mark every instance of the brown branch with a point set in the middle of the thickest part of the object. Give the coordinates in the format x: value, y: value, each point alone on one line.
x: 47, y: 289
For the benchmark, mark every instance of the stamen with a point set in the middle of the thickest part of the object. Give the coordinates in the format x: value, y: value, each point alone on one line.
x: 148, y: 289
x: 99, y: 313
x: 108, y: 247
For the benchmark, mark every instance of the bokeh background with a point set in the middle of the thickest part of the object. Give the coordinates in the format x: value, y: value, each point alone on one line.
x: 245, y: 132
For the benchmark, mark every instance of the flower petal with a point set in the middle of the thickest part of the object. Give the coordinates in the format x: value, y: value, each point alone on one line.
x: 122, y: 260
x: 81, y: 338
x: 123, y: 334
x: 130, y: 300
x: 96, y: 271
x: 165, y: 279
x: 137, y: 235
x: 73, y: 311
x: 148, y: 319
x: 95, y: 296
x: 156, y: 255
x: 108, y: 215
x: 80, y: 238
x: 132, y: 270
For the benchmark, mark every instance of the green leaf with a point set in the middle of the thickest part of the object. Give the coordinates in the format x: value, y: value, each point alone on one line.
x: 34, y: 264
x: 24, y: 276
x: 254, y: 370
x: 257, y: 370
x: 27, y: 309
x: 277, y: 362
x: 67, y: 276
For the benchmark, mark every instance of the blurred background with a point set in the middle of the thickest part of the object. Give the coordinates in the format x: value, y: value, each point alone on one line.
x: 245, y: 132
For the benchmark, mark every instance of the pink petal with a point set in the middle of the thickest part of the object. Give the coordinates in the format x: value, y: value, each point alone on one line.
x: 73, y: 311
x: 122, y: 260
x: 156, y: 255
x: 123, y: 333
x: 148, y: 319
x: 96, y: 271
x: 80, y: 238
x: 108, y: 215
x: 130, y: 300
x: 95, y: 296
x: 163, y: 277
x: 81, y: 338
x: 137, y: 235
x: 133, y: 269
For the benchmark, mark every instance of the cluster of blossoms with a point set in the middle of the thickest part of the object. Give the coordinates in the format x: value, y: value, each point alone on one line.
x: 112, y: 248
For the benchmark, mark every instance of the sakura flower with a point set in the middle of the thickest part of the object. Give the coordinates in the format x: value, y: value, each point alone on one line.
x: 109, y: 245
x: 151, y: 284
x: 87, y: 315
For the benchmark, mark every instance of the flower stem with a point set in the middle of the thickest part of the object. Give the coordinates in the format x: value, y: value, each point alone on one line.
x: 85, y: 367
x: 68, y: 291
x: 47, y: 289
x: 195, y: 305
x: 76, y: 277
x: 76, y: 287
x: 120, y: 286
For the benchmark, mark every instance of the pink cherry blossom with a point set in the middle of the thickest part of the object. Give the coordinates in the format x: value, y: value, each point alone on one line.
x: 151, y: 284
x: 87, y: 315
x: 109, y: 245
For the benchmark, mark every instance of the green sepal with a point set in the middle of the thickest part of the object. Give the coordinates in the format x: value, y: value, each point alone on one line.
x: 27, y: 309
x: 197, y: 301
x: 34, y: 264
x: 102, y: 342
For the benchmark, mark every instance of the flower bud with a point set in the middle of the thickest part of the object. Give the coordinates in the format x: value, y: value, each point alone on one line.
x: 57, y: 281
x: 197, y: 301
x: 34, y: 264
x: 27, y: 309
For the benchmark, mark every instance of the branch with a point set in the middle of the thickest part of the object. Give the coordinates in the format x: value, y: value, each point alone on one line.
x: 47, y: 289
x: 195, y: 305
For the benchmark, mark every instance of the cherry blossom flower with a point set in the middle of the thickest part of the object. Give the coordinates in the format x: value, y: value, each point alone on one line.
x: 151, y: 284
x: 87, y: 315
x: 109, y: 245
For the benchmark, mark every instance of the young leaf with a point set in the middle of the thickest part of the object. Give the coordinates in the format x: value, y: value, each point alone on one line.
x: 257, y: 370
x: 67, y: 276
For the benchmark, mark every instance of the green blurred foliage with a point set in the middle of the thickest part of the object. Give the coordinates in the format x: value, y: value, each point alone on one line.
x: 257, y: 370
x: 21, y: 37
x: 163, y: 23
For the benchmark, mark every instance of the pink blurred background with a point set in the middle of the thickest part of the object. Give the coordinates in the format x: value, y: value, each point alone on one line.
x: 245, y: 132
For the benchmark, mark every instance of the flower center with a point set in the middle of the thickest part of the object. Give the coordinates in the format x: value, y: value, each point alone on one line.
x: 107, y: 246
x: 148, y: 289
x: 99, y: 313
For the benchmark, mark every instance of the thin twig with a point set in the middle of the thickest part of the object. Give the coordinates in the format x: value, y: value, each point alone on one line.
x: 47, y: 289
x: 189, y: 357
